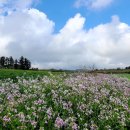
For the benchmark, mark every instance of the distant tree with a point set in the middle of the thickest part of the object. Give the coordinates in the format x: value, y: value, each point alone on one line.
x: 127, y: 67
x: 27, y: 64
x: 22, y: 63
x: 16, y: 65
x: 118, y: 68
x: 2, y: 61
x: 11, y: 62
x: 6, y: 64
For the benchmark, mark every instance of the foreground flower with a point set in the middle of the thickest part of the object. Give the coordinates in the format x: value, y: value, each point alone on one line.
x: 6, y: 119
x: 33, y: 123
x: 77, y: 101
x: 74, y: 126
x: 59, y: 123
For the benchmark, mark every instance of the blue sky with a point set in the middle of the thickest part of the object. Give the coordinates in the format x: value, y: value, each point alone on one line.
x: 61, y: 10
x: 66, y: 34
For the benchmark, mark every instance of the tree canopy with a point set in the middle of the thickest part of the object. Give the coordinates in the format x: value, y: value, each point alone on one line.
x: 11, y: 63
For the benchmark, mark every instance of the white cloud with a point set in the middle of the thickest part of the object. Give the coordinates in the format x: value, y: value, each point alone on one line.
x: 31, y: 34
x: 93, y: 4
x: 100, y: 45
x: 28, y: 31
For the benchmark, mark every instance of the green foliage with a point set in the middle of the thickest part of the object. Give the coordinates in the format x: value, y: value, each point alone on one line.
x: 124, y: 76
x: 13, y: 74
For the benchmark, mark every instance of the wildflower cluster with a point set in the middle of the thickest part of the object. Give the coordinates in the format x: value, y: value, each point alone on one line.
x: 68, y: 102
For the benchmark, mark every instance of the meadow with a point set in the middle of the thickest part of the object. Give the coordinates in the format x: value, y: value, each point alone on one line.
x: 124, y: 75
x: 13, y: 73
x: 42, y: 100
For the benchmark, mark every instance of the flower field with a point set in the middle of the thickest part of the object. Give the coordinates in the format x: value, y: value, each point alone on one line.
x: 75, y: 101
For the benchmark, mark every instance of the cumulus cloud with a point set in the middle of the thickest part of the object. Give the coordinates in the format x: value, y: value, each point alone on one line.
x: 30, y: 33
x: 93, y: 4
x: 101, y: 45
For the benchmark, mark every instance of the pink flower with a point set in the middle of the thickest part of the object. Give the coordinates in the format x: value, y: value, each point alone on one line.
x: 75, y: 126
x: 33, y: 123
x: 9, y: 97
x: 49, y: 113
x: 6, y: 119
x: 40, y: 101
x: 59, y: 122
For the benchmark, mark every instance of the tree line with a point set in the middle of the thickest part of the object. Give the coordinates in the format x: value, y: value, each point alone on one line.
x: 9, y: 63
x: 128, y: 67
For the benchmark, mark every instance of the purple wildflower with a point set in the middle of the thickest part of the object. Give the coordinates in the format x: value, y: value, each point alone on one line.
x: 59, y: 122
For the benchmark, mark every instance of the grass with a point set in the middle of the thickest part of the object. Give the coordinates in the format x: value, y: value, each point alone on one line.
x: 13, y: 74
x: 114, y: 71
x: 124, y: 75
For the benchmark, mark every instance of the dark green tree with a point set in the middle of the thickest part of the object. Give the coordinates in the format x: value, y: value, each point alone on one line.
x: 11, y: 62
x: 2, y: 61
x: 16, y: 65
x: 27, y: 64
x: 6, y: 64
x: 22, y: 63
